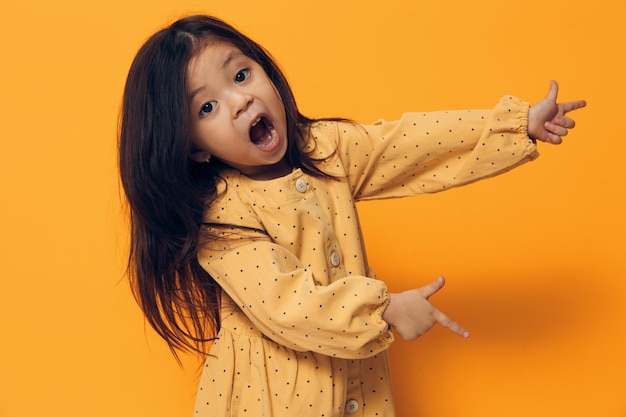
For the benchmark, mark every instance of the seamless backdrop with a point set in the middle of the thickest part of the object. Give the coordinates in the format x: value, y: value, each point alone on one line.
x: 547, y: 334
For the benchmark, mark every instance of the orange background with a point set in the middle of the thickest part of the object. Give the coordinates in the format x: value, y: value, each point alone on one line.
x: 548, y: 333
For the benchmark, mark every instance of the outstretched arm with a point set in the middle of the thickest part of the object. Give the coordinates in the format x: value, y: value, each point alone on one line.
x: 547, y: 120
x: 411, y: 314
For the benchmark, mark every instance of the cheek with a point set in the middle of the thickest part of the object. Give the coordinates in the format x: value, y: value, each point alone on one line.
x: 278, y: 98
x: 277, y: 102
x: 202, y: 127
x: 195, y: 138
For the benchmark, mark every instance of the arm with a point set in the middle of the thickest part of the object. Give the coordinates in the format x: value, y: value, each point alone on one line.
x: 410, y: 313
x: 432, y: 151
x: 282, y: 299
x: 435, y: 151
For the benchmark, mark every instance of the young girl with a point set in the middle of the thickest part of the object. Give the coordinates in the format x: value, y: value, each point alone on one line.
x: 244, y: 230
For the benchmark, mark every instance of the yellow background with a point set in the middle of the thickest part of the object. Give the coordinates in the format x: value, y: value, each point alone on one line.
x: 548, y: 332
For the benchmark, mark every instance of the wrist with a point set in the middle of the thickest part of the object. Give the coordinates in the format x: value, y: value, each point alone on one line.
x: 395, y: 313
x: 390, y: 311
x: 530, y: 127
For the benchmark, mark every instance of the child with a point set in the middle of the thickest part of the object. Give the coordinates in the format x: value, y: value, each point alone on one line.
x: 244, y: 231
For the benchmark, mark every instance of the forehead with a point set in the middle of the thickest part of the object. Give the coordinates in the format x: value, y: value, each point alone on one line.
x: 211, y: 59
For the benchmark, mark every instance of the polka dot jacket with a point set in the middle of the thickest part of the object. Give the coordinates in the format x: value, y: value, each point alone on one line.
x: 302, y: 332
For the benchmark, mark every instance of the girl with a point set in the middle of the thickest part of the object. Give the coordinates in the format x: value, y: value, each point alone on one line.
x: 244, y: 231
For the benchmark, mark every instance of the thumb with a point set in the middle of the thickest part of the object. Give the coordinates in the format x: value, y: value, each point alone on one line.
x: 430, y: 289
x: 553, y: 92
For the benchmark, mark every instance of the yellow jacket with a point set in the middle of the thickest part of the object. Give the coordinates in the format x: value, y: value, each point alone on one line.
x: 302, y: 330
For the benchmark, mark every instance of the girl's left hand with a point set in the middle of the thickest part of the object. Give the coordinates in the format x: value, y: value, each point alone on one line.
x: 547, y: 121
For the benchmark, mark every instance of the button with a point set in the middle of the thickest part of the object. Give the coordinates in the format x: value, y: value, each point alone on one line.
x: 335, y: 259
x: 352, y: 406
x: 301, y: 185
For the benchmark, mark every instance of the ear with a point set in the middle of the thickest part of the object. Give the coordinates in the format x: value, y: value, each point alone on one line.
x: 200, y: 156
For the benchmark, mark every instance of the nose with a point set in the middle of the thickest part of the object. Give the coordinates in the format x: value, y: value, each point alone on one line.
x: 241, y: 103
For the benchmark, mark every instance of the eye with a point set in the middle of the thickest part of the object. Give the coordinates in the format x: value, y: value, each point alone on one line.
x: 207, y: 107
x: 242, y: 75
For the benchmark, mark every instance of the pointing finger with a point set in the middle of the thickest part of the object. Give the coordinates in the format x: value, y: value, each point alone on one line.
x: 572, y: 105
x: 450, y: 324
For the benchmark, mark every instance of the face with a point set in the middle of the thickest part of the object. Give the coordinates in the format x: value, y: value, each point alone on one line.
x: 237, y: 115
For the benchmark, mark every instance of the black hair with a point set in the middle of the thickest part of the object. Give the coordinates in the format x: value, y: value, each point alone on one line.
x: 167, y: 191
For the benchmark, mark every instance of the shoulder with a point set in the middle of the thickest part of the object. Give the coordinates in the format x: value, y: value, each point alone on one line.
x: 336, y: 128
x: 325, y: 138
x: 231, y: 205
x: 320, y: 138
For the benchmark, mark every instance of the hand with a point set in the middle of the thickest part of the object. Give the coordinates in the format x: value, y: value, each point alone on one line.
x: 411, y: 314
x: 547, y: 121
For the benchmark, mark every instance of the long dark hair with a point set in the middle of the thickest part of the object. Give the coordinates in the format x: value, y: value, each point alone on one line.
x: 166, y: 190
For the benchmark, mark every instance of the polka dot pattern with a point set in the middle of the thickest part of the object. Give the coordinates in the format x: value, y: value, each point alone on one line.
x: 302, y: 329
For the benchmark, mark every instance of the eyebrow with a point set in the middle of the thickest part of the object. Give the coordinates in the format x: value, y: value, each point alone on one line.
x: 229, y: 58
x: 191, y: 95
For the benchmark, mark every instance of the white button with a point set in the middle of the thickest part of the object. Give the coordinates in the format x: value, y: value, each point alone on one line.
x: 335, y: 259
x: 352, y: 406
x: 301, y: 185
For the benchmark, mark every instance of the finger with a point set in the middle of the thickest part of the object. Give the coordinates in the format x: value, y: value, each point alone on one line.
x: 450, y: 324
x: 553, y: 139
x: 428, y: 290
x: 565, y: 122
x: 553, y: 91
x: 572, y: 105
x: 555, y: 129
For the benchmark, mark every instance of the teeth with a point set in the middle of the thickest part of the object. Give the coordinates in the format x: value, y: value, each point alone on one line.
x: 256, y: 122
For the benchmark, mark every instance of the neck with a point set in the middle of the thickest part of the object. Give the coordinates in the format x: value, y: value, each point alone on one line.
x: 272, y: 171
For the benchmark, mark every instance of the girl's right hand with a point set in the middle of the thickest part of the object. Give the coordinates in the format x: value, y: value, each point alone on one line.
x: 411, y: 314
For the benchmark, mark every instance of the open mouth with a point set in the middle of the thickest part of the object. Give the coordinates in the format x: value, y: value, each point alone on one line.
x: 262, y: 132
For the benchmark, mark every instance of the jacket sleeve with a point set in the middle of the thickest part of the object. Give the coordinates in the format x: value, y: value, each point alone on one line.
x: 281, y: 298
x: 431, y: 152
